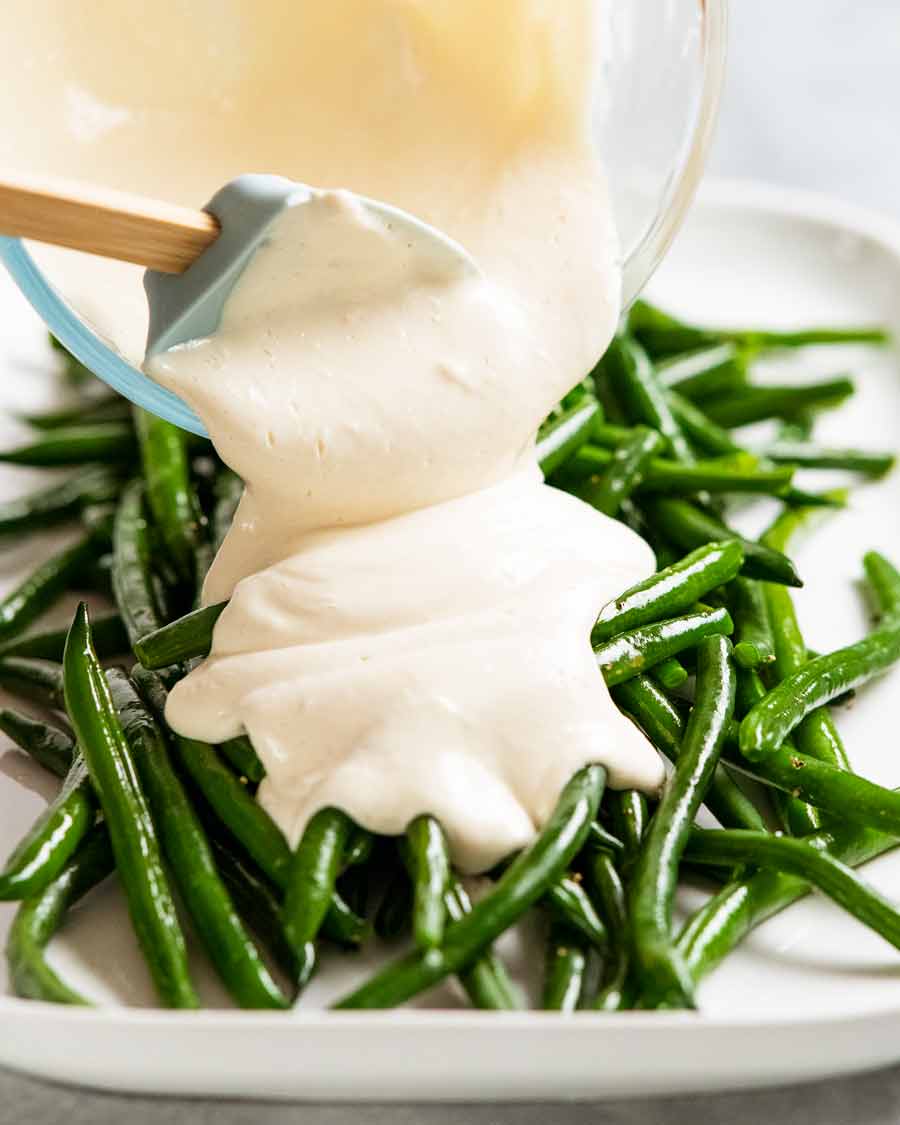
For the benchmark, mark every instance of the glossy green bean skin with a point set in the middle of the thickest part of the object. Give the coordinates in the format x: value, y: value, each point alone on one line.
x: 569, y: 903
x: 665, y: 335
x: 228, y: 489
x: 559, y: 438
x: 50, y: 746
x: 630, y: 814
x: 609, y: 890
x: 815, y: 684
x: 722, y: 922
x: 132, y: 577
x: 690, y: 527
x: 671, y: 591
x: 40, y: 681
x: 671, y: 674
x: 525, y: 881
x: 755, y: 404
x: 753, y: 642
x: 110, y: 639
x: 53, y: 838
x: 709, y: 371
x: 184, y: 639
x: 486, y: 981
x: 190, y: 858
x: 662, y: 723
x: 703, y: 433
x: 167, y: 479
x: 430, y: 873
x: 62, y: 501
x: 636, y: 651
x: 44, y: 586
x: 809, y: 456
x: 127, y: 816
x: 883, y: 580
x: 625, y: 471
x: 661, y: 975
x: 107, y: 442
x: 240, y: 754
x: 564, y: 972
x: 311, y: 877
x: 808, y: 860
x: 630, y: 375
x: 39, y: 918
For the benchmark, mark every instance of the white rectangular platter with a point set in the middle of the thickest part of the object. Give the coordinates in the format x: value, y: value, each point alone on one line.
x: 810, y: 994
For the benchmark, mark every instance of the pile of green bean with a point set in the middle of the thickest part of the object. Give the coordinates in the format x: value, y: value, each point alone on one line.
x: 706, y: 656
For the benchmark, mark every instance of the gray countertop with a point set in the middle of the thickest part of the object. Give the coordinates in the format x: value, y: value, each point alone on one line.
x: 813, y: 100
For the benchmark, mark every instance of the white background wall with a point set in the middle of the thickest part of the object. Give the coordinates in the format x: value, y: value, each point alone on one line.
x: 813, y: 97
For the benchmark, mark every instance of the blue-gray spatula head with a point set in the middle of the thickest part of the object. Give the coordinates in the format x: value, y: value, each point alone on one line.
x: 189, y: 306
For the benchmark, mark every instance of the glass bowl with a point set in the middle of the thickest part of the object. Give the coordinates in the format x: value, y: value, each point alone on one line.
x: 68, y: 105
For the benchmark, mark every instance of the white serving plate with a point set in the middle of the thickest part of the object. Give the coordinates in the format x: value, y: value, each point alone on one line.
x: 810, y: 994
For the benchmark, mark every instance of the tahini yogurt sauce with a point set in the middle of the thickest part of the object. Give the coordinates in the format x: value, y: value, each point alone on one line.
x: 410, y: 606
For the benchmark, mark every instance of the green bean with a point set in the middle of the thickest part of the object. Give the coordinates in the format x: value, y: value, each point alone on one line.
x: 256, y: 902
x: 883, y: 580
x: 565, y: 965
x: 40, y: 681
x: 46, y: 585
x: 664, y: 335
x: 559, y: 438
x: 609, y: 889
x: 671, y: 674
x: 53, y: 838
x: 797, y: 817
x: 817, y: 735
x: 670, y: 591
x: 754, y: 644
x: 240, y: 754
x: 740, y: 472
x: 806, y: 859
x: 190, y: 859
x: 630, y: 814
x: 132, y: 575
x: 568, y: 902
x: 662, y: 723
x: 342, y: 924
x: 62, y: 501
x: 722, y: 922
x: 312, y: 876
x: 636, y: 651
x: 709, y: 371
x: 815, y: 684
x: 110, y: 639
x: 624, y: 473
x: 486, y: 981
x: 526, y: 880
x: 690, y: 527
x: 360, y: 847
x: 599, y: 837
x: 50, y: 746
x: 107, y: 442
x: 608, y: 435
x: 701, y: 430
x: 228, y: 489
x: 755, y: 404
x: 808, y: 456
x: 184, y: 639
x: 39, y: 918
x: 430, y: 873
x: 99, y: 408
x: 134, y: 842
x: 661, y: 974
x: 169, y: 493
x: 628, y: 371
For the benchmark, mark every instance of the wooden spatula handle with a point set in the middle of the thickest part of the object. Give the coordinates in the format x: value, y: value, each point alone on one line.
x: 160, y: 236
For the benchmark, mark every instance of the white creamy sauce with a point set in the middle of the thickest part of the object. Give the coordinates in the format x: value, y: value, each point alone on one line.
x: 410, y: 606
